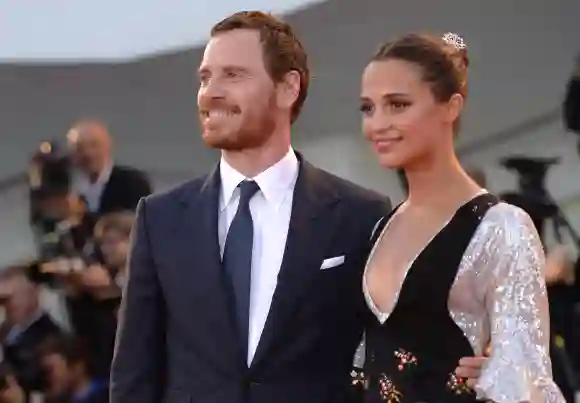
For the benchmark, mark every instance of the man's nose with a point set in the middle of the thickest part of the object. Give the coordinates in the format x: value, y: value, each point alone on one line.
x: 213, y: 89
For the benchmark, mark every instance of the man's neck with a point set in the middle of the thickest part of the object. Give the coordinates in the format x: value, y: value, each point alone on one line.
x: 252, y: 162
x: 94, y: 177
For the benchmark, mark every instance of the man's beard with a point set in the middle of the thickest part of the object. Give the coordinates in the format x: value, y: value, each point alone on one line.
x: 253, y: 132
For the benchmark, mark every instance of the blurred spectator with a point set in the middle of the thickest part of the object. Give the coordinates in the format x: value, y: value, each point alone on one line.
x: 105, y: 187
x: 112, y: 234
x: 10, y: 389
x: 69, y: 379
x: 25, y: 327
x: 95, y: 292
x: 560, y: 266
x: 65, y: 229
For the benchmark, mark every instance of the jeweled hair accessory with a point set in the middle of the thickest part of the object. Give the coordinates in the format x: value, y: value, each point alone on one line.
x: 454, y: 40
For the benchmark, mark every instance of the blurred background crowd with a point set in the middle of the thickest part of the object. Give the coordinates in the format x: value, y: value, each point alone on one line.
x: 81, y: 213
x: 98, y: 110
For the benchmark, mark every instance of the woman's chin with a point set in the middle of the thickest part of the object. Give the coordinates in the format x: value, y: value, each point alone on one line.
x: 391, y: 161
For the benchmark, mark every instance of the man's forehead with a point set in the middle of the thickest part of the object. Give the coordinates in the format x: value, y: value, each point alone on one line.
x: 235, y: 37
x: 87, y: 132
x: 243, y: 45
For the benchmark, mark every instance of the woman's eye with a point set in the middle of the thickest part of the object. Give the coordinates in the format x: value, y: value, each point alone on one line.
x: 400, y: 105
x: 366, y: 108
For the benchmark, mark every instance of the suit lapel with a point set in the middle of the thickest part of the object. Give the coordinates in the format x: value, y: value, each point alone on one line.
x: 109, y: 190
x: 199, y: 246
x: 311, y: 228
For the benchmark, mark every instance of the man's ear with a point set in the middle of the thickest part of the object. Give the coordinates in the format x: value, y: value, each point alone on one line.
x: 288, y: 89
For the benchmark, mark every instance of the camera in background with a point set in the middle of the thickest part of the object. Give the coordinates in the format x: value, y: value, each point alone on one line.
x: 61, y: 225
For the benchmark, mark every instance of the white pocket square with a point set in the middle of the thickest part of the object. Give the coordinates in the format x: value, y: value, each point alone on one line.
x: 332, y: 262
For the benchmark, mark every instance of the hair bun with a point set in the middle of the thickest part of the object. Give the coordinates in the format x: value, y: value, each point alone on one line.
x: 459, y: 46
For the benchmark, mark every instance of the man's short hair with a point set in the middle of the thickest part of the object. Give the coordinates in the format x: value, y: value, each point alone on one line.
x: 283, y: 51
x: 69, y: 347
x: 121, y: 222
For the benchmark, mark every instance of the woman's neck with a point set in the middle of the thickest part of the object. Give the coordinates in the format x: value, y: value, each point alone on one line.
x: 439, y: 182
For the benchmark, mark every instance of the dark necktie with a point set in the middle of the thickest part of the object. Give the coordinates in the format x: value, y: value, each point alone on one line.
x: 237, y: 259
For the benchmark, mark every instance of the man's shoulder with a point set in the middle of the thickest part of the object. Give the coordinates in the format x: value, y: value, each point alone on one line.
x: 362, y: 207
x: 127, y: 171
x: 48, y: 324
x: 176, y: 193
x: 354, y: 193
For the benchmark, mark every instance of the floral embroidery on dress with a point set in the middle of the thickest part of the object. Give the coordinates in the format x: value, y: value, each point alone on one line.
x: 458, y: 385
x: 388, y: 390
x: 406, y: 359
x: 358, y: 378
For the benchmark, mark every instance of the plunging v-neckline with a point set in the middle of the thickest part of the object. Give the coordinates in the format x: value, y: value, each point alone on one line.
x: 383, y: 316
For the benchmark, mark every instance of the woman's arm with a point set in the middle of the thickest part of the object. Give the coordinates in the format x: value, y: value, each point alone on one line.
x: 519, y: 368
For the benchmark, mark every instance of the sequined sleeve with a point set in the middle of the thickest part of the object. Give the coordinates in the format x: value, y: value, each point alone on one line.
x: 519, y: 368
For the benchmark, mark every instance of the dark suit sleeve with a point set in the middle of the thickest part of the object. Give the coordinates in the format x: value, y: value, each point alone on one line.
x: 138, y: 364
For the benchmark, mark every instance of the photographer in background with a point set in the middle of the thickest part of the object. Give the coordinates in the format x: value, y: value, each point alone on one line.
x: 59, y: 221
x: 112, y: 234
x: 93, y: 294
x: 534, y: 198
x: 26, y: 326
x: 571, y: 278
x: 64, y: 229
x: 104, y: 186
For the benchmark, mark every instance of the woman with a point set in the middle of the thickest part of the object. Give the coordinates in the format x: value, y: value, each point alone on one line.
x: 452, y: 268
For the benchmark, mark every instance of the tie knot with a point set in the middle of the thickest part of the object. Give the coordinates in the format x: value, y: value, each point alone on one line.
x: 247, y: 190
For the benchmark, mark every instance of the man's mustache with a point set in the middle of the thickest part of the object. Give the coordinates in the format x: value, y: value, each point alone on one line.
x: 218, y: 104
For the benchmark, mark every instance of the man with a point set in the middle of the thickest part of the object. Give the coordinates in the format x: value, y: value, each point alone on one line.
x: 112, y: 234
x: 245, y: 285
x: 95, y: 290
x: 69, y: 379
x: 104, y: 186
x: 25, y: 328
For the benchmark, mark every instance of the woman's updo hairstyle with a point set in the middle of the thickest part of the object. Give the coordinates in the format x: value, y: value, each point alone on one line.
x: 443, y: 61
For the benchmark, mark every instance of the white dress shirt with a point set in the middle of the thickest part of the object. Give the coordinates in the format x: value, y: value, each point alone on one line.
x: 92, y: 191
x: 271, y: 208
